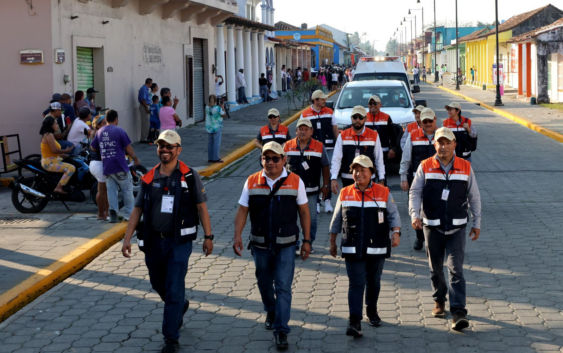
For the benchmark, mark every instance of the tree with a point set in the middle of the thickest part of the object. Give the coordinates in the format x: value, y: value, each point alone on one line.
x: 391, y: 48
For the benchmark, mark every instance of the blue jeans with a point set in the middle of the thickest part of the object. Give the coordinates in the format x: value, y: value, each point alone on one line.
x: 453, y: 246
x: 363, y: 274
x: 264, y: 93
x: 242, y: 96
x: 213, y: 144
x: 125, y: 187
x: 65, y: 144
x: 274, y: 272
x: 312, y: 203
x: 167, y: 263
x: 329, y: 195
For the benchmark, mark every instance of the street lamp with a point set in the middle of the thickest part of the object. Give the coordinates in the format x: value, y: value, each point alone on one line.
x: 410, y: 43
x: 498, y: 100
x: 456, y: 51
x: 436, y: 76
x: 423, y: 36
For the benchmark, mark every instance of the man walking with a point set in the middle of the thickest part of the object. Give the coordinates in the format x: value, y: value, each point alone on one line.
x: 382, y: 123
x: 307, y: 158
x: 415, y: 125
x: 284, y: 79
x: 419, y: 146
x: 443, y: 187
x: 241, y: 86
x: 145, y: 102
x: 465, y: 133
x: 274, y: 197
x: 113, y: 143
x: 172, y: 203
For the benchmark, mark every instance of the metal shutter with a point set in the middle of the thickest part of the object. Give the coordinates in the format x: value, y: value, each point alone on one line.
x: 199, y: 86
x: 84, y: 68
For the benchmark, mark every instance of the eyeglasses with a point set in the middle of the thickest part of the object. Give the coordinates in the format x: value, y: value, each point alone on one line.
x: 166, y: 147
x: 272, y: 117
x: 426, y: 121
x: 373, y: 103
x: 358, y: 117
x: 271, y: 159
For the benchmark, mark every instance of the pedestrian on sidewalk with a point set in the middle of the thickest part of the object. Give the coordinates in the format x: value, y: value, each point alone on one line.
x: 444, y: 201
x: 307, y: 158
x: 113, y: 143
x: 284, y: 79
x: 154, y: 119
x: 472, y: 75
x: 214, y: 114
x: 97, y: 170
x: 289, y: 79
x: 383, y: 124
x: 172, y: 201
x: 415, y: 73
x: 52, y: 154
x: 306, y: 75
x: 241, y: 86
x: 465, y: 133
x: 154, y: 90
x: 274, y: 197
x: 274, y: 131
x: 424, y: 73
x: 165, y: 92
x: 419, y: 146
x: 218, y: 85
x: 167, y: 115
x: 365, y: 213
x: 263, y: 84
x: 415, y: 125
x: 144, y: 99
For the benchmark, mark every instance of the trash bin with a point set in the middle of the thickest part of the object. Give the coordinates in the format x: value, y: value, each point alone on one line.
x: 533, y: 101
x: 484, y: 87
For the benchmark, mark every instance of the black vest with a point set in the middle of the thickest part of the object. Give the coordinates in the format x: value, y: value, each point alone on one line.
x: 364, y: 144
x: 422, y: 149
x: 313, y: 156
x: 325, y: 134
x: 382, y: 127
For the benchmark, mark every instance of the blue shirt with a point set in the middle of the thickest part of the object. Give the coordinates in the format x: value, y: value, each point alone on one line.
x: 154, y: 113
x: 144, y: 95
x: 91, y: 106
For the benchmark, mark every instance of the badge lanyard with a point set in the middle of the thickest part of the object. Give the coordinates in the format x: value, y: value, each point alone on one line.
x: 302, y: 152
x: 380, y: 216
x: 446, y: 191
x: 167, y: 205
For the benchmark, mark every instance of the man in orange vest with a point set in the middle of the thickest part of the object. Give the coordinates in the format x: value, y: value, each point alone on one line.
x: 274, y: 131
x: 274, y: 197
x: 382, y: 123
x: 465, y: 133
x: 415, y: 125
x: 443, y: 187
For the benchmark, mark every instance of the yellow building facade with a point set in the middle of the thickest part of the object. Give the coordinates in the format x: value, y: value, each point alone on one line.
x: 481, y: 55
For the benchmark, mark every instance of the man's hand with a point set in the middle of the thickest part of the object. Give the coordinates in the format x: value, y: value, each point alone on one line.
x: 405, y: 185
x: 147, y: 110
x: 474, y: 234
x: 137, y: 161
x: 324, y: 191
x: 126, y: 248
x: 381, y: 182
x: 176, y: 100
x: 207, y: 247
x: 305, y: 251
x: 237, y: 246
x: 466, y: 127
x: 391, y: 154
x: 334, y: 186
x: 417, y: 223
x: 395, y: 240
x: 333, y: 250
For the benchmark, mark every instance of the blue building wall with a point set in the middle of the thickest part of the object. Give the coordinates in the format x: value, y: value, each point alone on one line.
x: 336, y: 57
x: 447, y: 34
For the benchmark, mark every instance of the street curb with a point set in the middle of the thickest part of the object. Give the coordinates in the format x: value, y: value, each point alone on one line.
x: 6, y: 181
x: 48, y: 277
x: 517, y: 119
x: 247, y: 148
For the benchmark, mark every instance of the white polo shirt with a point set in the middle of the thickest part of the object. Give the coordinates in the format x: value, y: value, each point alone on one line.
x: 301, y: 192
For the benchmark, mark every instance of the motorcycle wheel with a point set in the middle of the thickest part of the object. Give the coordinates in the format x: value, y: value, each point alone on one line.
x: 137, y: 173
x: 26, y: 203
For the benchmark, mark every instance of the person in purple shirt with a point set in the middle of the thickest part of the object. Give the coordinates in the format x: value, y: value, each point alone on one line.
x: 112, y: 143
x: 144, y: 99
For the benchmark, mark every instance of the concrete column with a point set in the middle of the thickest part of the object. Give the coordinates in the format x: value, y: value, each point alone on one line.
x: 231, y: 68
x: 221, y: 56
x: 255, y: 67
x: 272, y: 16
x: 248, y: 64
x: 264, y: 12
x: 240, y: 50
x: 529, y: 70
x: 275, y: 70
x: 520, y: 85
x: 261, y: 55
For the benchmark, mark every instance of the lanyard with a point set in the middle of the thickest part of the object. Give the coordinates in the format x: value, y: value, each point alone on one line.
x: 303, y: 151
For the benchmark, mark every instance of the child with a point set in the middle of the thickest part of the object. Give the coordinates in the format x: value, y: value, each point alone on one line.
x: 154, y: 120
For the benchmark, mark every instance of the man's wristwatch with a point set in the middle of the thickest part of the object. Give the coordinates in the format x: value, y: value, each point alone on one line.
x: 325, y: 187
x: 209, y: 237
x: 396, y: 231
x: 307, y: 241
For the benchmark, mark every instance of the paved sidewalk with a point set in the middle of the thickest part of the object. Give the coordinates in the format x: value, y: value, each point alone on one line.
x: 513, y: 272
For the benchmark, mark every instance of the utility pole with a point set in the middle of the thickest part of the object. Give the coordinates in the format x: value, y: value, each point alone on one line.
x: 436, y: 75
x: 456, y: 51
x: 498, y: 100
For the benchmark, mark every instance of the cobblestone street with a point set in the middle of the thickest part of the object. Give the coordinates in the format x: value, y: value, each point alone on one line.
x: 514, y: 274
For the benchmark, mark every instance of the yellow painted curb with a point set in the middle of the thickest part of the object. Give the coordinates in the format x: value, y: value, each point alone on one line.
x: 5, y: 181
x: 517, y: 119
x: 242, y: 151
x: 45, y: 279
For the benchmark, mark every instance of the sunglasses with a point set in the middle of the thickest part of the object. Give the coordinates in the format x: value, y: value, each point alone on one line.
x: 358, y: 117
x: 166, y: 147
x: 272, y: 117
x: 271, y: 159
x: 426, y: 121
x: 373, y: 103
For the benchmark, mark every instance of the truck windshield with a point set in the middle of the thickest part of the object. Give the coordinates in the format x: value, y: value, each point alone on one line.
x: 367, y: 76
x: 391, y: 97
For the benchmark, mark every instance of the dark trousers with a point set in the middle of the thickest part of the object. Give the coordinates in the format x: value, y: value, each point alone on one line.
x: 242, y: 96
x: 419, y: 232
x: 167, y: 262
x: 363, y: 274
x: 453, y: 247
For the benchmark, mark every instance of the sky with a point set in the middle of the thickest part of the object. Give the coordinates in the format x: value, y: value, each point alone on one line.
x: 380, y: 20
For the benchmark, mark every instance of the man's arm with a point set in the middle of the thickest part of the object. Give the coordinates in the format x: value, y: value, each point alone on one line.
x: 206, y: 224
x: 335, y: 227
x: 131, y: 153
x: 240, y: 221
x: 335, y: 131
x: 336, y: 159
x: 378, y: 154
x: 406, y: 159
x: 415, y: 196
x: 305, y: 219
x: 392, y: 135
x: 474, y: 198
x: 131, y: 226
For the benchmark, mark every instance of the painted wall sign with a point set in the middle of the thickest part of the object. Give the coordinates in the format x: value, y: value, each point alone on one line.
x: 31, y: 57
x: 297, y: 36
x: 152, y: 54
x: 59, y: 56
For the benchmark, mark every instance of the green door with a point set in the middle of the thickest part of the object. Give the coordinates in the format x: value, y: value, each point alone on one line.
x: 84, y: 68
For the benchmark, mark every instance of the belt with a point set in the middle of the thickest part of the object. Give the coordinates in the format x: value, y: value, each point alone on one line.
x: 163, y: 234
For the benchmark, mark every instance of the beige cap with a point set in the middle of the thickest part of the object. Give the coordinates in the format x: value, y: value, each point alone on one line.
x: 306, y: 122
x: 274, y: 147
x: 427, y: 113
x: 362, y: 160
x: 444, y: 132
x: 374, y: 98
x: 319, y: 94
x: 273, y: 111
x: 419, y: 108
x: 453, y: 105
x: 169, y: 136
x: 359, y: 110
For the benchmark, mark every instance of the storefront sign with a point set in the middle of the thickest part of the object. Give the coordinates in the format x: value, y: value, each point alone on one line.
x: 31, y: 57
x: 59, y: 56
x: 501, y: 74
x: 514, y: 60
x: 152, y: 54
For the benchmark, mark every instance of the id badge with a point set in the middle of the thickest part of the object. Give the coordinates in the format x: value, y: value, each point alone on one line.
x: 380, y: 216
x: 305, y: 165
x: 318, y: 125
x: 167, y: 204
x: 357, y: 152
x: 445, y: 194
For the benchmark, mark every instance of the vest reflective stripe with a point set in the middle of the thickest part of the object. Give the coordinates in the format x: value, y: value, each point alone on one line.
x: 312, y: 156
x: 252, y: 192
x: 184, y: 184
x: 459, y: 221
x: 465, y: 154
x: 457, y: 129
x: 349, y: 249
x: 327, y: 142
x: 186, y: 231
x: 287, y: 192
x: 267, y: 137
x: 385, y: 149
x: 286, y: 240
x: 431, y: 222
x: 306, y: 153
x: 257, y: 239
x: 421, y: 143
x: 355, y: 143
x: 281, y: 135
x: 377, y: 251
x: 380, y: 204
x: 380, y: 123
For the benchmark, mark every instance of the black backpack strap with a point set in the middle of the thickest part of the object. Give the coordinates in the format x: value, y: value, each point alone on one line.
x: 277, y: 186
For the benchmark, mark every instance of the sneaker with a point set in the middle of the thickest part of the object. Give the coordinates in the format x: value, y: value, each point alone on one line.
x: 354, y: 328
x: 270, y: 317
x: 459, y: 322
x: 170, y: 346
x: 281, y: 341
x: 112, y: 216
x: 318, y: 208
x: 439, y: 309
x: 373, y: 317
x: 328, y: 206
x: 418, y: 244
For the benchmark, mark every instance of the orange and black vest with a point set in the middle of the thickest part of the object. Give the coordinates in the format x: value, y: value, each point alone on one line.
x: 363, y: 233
x: 352, y: 142
x: 450, y: 213
x: 463, y: 147
x: 273, y: 218
x: 186, y: 217
x: 380, y: 123
x: 279, y: 136
x: 322, y: 125
x: 312, y: 155
x: 422, y: 148
x: 412, y: 127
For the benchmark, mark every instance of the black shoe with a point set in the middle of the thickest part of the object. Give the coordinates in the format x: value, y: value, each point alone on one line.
x: 270, y: 320
x: 459, y: 322
x: 281, y: 341
x: 418, y: 244
x: 373, y: 317
x: 186, y: 307
x: 170, y: 346
x: 113, y: 218
x: 354, y: 328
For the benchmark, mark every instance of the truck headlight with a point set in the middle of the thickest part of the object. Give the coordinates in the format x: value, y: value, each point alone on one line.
x: 343, y: 126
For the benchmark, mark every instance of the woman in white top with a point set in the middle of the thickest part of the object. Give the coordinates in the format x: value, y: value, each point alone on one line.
x: 78, y: 129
